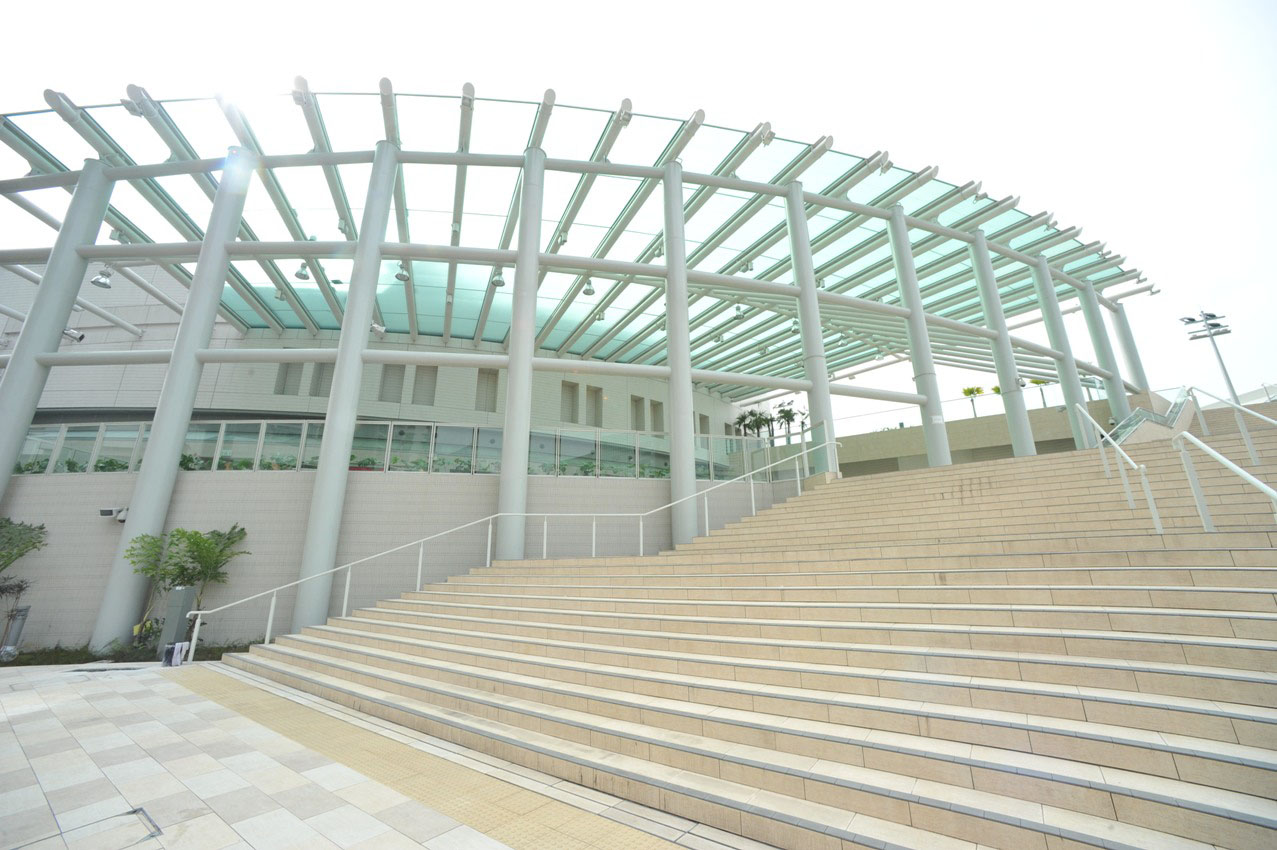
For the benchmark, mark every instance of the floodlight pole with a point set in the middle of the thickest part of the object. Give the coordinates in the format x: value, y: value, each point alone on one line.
x: 24, y: 378
x: 512, y: 494
x: 1232, y: 393
x: 125, y: 593
x: 682, y: 424
x: 328, y: 492
x: 1205, y: 320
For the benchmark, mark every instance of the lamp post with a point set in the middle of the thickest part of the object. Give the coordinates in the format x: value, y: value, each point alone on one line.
x: 1208, y: 326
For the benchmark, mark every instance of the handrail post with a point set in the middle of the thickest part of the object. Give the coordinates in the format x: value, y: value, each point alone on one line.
x: 489, y: 551
x: 594, y: 536
x: 270, y: 617
x: 1201, y: 416
x: 345, y: 599
x: 1104, y: 460
x: 1148, y: 497
x: 798, y: 481
x: 753, y: 505
x: 1202, y: 510
x: 421, y: 554
x: 195, y: 636
x: 545, y: 536
x: 1245, y: 432
x: 707, y: 514
x: 1126, y: 483
x: 640, y: 535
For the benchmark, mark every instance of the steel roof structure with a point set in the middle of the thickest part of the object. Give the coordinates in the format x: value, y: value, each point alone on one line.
x: 599, y: 297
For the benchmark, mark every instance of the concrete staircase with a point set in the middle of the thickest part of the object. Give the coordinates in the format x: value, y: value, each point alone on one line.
x: 998, y: 656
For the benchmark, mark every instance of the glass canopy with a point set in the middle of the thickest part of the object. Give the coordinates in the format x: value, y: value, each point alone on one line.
x: 598, y: 316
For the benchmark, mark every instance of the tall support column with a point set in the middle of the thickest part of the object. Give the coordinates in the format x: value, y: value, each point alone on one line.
x: 924, y: 368
x: 125, y: 594
x: 1003, y: 357
x: 1066, y: 366
x: 1130, y: 352
x: 682, y: 422
x: 512, y: 499
x: 816, y: 369
x: 1114, y: 387
x: 24, y: 378
x: 328, y: 493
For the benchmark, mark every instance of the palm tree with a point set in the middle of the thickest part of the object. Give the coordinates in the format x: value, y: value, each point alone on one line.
x: 971, y: 393
x: 742, y: 423
x: 786, y: 414
x: 1040, y: 384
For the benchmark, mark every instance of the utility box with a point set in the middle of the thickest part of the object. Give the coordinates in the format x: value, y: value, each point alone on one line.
x: 179, y: 603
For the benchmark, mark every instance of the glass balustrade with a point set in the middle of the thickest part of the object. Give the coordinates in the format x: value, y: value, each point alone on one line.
x: 275, y: 446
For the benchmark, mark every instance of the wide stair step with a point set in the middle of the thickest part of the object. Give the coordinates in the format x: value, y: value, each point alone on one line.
x: 996, y: 656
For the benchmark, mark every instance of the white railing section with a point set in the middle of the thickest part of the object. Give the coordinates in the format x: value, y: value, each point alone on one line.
x: 1181, y: 441
x: 1238, y: 410
x: 1121, y: 460
x: 798, y: 459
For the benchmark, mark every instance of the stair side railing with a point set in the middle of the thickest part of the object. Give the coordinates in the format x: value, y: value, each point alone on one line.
x: 1181, y: 441
x: 1121, y: 460
x: 1239, y: 412
x: 798, y: 459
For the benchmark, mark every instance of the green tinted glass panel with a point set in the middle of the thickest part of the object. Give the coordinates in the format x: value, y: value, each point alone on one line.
x: 488, y: 451
x: 280, y: 446
x: 617, y: 454
x: 654, y: 456
x: 577, y: 453
x: 541, y: 457
x: 454, y: 449
x: 116, y: 451
x: 314, y: 438
x: 201, y: 442
x: 239, y: 445
x: 368, y: 449
x: 76, y: 449
x: 410, y: 448
x: 36, y: 449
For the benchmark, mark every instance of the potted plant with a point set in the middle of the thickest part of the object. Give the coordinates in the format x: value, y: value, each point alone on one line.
x: 110, y: 464
x: 16, y: 539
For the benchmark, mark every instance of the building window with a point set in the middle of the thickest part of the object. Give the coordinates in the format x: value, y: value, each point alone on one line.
x: 703, y: 423
x: 391, y: 384
x: 658, y: 417
x: 594, y: 407
x: 638, y: 409
x: 569, y: 410
x: 288, y: 380
x: 423, y: 385
x: 485, y: 395
x: 321, y: 380
x: 729, y: 430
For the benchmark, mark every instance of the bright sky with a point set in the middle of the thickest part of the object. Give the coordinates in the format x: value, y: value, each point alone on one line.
x: 1152, y: 125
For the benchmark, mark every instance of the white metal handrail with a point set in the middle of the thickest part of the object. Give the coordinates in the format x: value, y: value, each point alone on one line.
x: 1179, y: 441
x: 1238, y: 410
x: 798, y: 460
x: 1118, y: 457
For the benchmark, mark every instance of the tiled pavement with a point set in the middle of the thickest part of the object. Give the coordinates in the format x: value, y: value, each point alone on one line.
x: 81, y: 752
x: 105, y: 757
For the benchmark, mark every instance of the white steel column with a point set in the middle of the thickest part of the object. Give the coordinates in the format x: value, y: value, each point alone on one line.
x: 1130, y: 352
x: 125, y: 594
x: 816, y: 369
x: 23, y: 380
x: 682, y: 422
x: 1066, y: 366
x: 1003, y: 356
x: 512, y: 497
x: 328, y: 494
x: 1114, y: 387
x: 924, y: 368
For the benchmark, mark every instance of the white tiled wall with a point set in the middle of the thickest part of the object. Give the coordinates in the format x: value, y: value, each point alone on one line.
x: 382, y: 510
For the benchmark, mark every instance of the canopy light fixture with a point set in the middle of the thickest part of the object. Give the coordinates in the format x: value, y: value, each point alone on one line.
x: 793, y: 326
x: 599, y: 316
x: 497, y: 281
x: 102, y: 279
x: 73, y: 335
x: 378, y: 330
x: 740, y: 312
x: 302, y: 273
x: 589, y: 288
x: 402, y: 274
x: 279, y: 295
